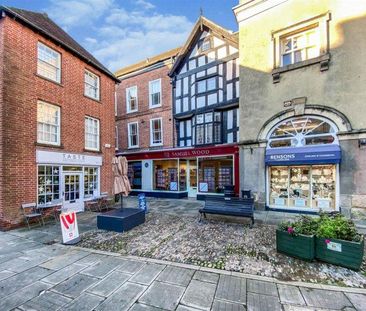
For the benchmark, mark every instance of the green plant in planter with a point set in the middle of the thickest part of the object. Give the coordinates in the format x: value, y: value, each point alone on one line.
x: 296, y: 238
x: 337, y: 227
x: 338, y: 242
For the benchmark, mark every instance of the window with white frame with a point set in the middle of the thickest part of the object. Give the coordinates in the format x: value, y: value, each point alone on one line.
x: 48, y: 63
x: 90, y: 181
x: 156, y: 132
x: 48, y: 123
x: 155, y: 93
x: 300, y: 46
x: 48, y: 185
x: 205, y: 44
x: 116, y: 137
x: 131, y: 99
x: 91, y: 133
x: 91, y: 85
x: 133, y: 135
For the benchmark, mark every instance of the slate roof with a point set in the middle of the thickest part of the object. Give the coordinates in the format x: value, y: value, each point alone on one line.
x: 148, y: 62
x: 41, y: 23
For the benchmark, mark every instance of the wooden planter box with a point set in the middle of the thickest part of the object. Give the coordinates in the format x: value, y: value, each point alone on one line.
x: 299, y: 246
x: 339, y: 252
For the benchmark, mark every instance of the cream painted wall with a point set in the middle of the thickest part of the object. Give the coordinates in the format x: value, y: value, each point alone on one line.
x: 342, y: 87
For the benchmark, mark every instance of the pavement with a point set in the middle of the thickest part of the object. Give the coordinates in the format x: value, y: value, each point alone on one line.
x: 39, y: 273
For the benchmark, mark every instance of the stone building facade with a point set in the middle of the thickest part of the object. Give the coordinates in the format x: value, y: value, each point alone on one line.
x: 302, y: 84
x: 56, y: 117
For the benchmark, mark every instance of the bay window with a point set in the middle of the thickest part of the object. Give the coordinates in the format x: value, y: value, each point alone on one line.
x: 208, y: 128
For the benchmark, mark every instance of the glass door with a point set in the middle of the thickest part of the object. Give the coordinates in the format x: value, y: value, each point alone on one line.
x: 192, y: 178
x: 72, y: 194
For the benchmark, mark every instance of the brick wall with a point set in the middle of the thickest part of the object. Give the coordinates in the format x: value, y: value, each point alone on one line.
x: 22, y: 89
x: 144, y: 113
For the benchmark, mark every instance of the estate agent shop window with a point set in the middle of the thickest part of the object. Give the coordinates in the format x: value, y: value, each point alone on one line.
x: 309, y: 180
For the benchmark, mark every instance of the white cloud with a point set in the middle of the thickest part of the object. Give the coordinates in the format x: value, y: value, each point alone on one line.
x: 144, y: 4
x: 70, y: 13
x: 121, y: 33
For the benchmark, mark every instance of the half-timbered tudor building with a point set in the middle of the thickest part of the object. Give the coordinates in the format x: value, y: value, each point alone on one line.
x: 205, y: 79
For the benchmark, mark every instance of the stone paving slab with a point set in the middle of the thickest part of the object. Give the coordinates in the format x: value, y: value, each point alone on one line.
x: 130, y: 266
x: 257, y: 302
x: 358, y: 301
x: 176, y: 275
x: 220, y: 305
x: 20, y: 280
x: 75, y: 285
x: 85, y: 302
x: 290, y: 294
x: 63, y: 274
x: 64, y: 260
x: 142, y: 307
x: 206, y: 277
x: 6, y: 274
x: 232, y: 289
x: 46, y: 301
x: 261, y: 287
x: 325, y: 299
x: 163, y: 295
x: 100, y: 270
x: 109, y: 284
x: 199, y: 295
x: 185, y: 308
x: 22, y: 295
x: 91, y: 259
x: 147, y: 274
x: 122, y: 298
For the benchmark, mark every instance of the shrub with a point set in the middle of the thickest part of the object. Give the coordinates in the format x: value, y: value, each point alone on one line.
x: 305, y: 225
x: 328, y: 226
x: 337, y: 227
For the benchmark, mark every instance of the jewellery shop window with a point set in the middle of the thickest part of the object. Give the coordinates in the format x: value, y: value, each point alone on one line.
x: 303, y: 186
x: 166, y: 175
x: 134, y: 174
x: 214, y: 174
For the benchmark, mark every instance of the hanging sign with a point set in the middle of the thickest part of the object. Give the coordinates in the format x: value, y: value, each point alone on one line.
x: 69, y: 228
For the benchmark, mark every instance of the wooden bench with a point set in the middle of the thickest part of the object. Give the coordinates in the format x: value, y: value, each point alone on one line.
x: 239, y: 207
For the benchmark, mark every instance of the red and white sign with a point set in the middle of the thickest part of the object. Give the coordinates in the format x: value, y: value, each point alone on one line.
x: 69, y: 227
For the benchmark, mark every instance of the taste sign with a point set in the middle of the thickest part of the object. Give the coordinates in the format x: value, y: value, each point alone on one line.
x: 69, y: 228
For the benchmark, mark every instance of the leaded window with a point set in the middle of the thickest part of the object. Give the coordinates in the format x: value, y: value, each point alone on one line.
x: 208, y: 128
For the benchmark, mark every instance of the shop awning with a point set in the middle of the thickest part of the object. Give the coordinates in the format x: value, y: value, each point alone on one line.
x: 325, y: 154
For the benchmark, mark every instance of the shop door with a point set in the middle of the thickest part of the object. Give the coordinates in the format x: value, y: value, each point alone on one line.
x: 192, y: 178
x: 72, y: 192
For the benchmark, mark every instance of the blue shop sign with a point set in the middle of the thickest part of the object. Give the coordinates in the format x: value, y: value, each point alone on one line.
x: 325, y: 154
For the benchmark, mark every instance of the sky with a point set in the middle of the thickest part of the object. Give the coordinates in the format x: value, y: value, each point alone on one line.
x: 122, y: 32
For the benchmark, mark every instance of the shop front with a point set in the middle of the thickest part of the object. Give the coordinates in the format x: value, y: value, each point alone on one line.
x: 189, y: 172
x: 69, y: 177
x: 302, y: 166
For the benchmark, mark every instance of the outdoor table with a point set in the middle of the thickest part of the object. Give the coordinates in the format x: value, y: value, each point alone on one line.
x: 56, y: 207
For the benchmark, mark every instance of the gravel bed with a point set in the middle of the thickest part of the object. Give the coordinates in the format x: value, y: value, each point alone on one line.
x: 219, y: 244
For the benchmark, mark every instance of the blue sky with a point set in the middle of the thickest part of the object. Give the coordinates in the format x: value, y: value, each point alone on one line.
x: 122, y: 32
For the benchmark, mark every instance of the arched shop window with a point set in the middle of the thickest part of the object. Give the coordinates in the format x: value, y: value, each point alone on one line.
x: 301, y: 132
x: 302, y: 158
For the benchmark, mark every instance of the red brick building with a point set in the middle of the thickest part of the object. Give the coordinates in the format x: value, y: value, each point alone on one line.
x: 144, y: 109
x: 57, y: 135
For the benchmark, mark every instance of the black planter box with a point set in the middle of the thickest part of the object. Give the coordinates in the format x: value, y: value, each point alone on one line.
x: 121, y: 220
